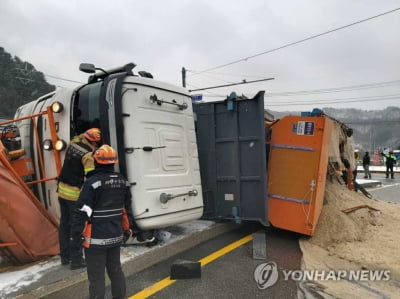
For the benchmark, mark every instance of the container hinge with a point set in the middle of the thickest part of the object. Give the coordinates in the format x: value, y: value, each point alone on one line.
x: 164, y: 197
x: 154, y: 99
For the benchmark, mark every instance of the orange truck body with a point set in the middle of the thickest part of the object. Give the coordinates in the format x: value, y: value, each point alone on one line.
x: 28, y: 231
x: 297, y: 170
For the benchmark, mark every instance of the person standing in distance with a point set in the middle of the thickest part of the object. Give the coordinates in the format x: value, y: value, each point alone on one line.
x: 77, y: 164
x: 366, y: 163
x: 390, y: 162
x: 103, y: 217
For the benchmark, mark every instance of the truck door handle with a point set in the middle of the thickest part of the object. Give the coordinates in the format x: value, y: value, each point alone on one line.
x: 154, y: 99
x: 130, y: 150
x: 164, y: 197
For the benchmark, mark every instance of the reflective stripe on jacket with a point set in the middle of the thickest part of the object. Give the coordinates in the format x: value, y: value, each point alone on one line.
x: 68, y: 192
x: 103, y: 214
x: 103, y: 198
x: 104, y: 242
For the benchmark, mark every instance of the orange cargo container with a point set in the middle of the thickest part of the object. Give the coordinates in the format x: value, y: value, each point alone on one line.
x: 297, y: 171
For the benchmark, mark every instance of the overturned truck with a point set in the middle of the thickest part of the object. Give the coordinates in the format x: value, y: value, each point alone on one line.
x: 252, y: 167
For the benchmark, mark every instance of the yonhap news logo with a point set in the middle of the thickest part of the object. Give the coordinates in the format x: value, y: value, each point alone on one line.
x: 267, y: 274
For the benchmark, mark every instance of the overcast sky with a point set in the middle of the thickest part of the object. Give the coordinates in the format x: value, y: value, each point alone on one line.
x: 163, y: 36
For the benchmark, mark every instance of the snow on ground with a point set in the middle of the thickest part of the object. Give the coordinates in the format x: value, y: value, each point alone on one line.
x: 10, y: 281
x: 373, y: 168
x: 168, y: 235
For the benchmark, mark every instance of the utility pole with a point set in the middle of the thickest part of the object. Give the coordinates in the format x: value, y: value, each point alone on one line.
x: 371, y: 146
x: 183, y: 77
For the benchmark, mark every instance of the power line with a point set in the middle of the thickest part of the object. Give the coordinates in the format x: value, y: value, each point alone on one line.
x: 330, y: 101
x: 372, y: 122
x: 63, y: 79
x: 335, y: 89
x: 297, y: 42
x: 335, y: 101
x: 330, y: 90
x: 211, y: 94
x: 215, y: 78
x: 50, y: 76
x: 232, y: 84
x: 226, y: 74
x: 323, y: 102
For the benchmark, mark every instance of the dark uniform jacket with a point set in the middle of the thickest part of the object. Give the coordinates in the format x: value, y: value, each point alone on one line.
x: 390, y: 159
x: 78, y: 162
x: 101, y: 202
x: 366, y: 160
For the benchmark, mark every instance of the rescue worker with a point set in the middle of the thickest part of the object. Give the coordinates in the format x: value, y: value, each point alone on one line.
x: 103, y: 216
x: 366, y: 163
x: 390, y: 161
x: 78, y: 162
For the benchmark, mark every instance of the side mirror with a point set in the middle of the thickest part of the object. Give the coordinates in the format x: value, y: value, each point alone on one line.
x: 145, y: 74
x: 87, y: 68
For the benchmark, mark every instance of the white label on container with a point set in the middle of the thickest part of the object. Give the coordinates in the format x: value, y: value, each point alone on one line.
x: 229, y: 197
x: 305, y: 128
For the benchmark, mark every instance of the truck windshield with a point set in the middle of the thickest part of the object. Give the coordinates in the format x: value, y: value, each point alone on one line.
x: 86, y: 112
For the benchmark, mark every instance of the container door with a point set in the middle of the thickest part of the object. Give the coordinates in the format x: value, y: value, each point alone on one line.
x: 231, y: 140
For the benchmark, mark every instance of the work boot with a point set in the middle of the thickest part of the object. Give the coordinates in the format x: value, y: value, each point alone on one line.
x: 77, y: 264
x: 143, y: 238
x: 64, y: 261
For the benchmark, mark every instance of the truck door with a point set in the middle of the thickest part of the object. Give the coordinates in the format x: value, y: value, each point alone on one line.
x: 161, y: 156
x: 156, y: 144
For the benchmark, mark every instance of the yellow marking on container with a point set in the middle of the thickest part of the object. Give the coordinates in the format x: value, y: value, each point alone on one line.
x: 158, y: 286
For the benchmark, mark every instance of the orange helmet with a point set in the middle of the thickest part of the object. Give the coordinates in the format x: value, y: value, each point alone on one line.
x: 93, y: 135
x: 105, y: 154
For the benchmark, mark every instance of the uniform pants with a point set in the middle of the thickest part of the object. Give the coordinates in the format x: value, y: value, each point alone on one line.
x: 96, y: 261
x: 389, y: 169
x: 67, y: 252
x: 367, y: 173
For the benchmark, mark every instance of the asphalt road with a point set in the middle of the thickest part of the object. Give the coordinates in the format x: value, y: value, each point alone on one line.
x: 389, y: 190
x: 231, y: 275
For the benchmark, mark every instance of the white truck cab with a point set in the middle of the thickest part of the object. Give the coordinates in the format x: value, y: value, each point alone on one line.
x: 150, y: 124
